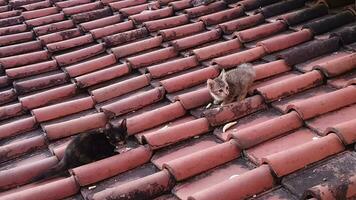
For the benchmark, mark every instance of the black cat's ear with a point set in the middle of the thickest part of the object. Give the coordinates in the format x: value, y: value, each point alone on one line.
x: 123, y: 124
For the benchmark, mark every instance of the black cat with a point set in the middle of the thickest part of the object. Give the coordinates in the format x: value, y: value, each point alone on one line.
x: 86, y: 148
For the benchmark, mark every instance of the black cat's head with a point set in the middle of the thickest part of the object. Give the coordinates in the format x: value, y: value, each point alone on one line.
x: 116, y: 134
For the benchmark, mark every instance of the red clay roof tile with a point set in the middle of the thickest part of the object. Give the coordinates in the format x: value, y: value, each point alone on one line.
x: 253, y: 135
x: 54, y: 27
x: 35, y: 84
x: 22, y: 48
x: 39, y: 13
x: 38, y: 5
x: 177, y: 151
x: 148, y: 187
x: 59, y: 36
x: 345, y: 131
x: 7, y: 96
x: 124, y: 37
x: 45, y: 20
x: 230, y: 112
x: 295, y: 158
x: 47, y: 97
x: 13, y: 29
x: 293, y: 139
x: 90, y: 65
x: 285, y: 41
x: 117, y: 5
x: 109, y: 167
x: 20, y: 175
x: 112, y: 29
x: 235, y: 59
x: 173, y: 66
x: 212, y: 177
x: 139, y: 8
x: 82, y: 8
x: 324, y: 103
x: 136, y: 47
x: 15, y: 38
x: 157, y: 117
x: 100, y: 76
x: 18, y: 148
x: 62, y: 109
x: 188, y: 80
x: 222, y: 16
x: 133, y: 102
x: 91, y: 15
x: 11, y: 110
x: 152, y: 15
x: 196, y: 40
x: 24, y: 59
x: 204, y: 10
x: 195, y: 98
x: 71, y: 3
x: 261, y: 31
x: 242, y: 23
x: 11, y: 21
x: 166, y: 136
x: 30, y: 70
x: 180, y: 5
x: 100, y: 23
x: 71, y: 127
x: 169, y: 22
x: 241, y: 187
x: 290, y: 86
x: 189, y: 165
x: 216, y: 50
x: 70, y: 43
x: 79, y: 55
x: 151, y: 58
x: 120, y: 88
x: 181, y: 31
x: 338, y: 66
x: 55, y: 190
x: 8, y: 14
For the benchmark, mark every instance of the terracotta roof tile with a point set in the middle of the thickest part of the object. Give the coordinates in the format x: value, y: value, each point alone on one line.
x: 109, y: 166
x: 45, y: 20
x: 11, y: 110
x: 68, y: 67
x: 71, y: 127
x: 13, y: 29
x: 38, y: 5
x: 165, y: 23
x: 321, y: 123
x: 62, y: 109
x: 189, y: 79
x: 239, y: 187
x: 120, y: 88
x: 137, y: 47
x: 152, y: 185
x: 331, y: 172
x: 286, y: 162
x: 166, y: 113
x: 15, y: 38
x: 30, y: 70
x: 134, y: 102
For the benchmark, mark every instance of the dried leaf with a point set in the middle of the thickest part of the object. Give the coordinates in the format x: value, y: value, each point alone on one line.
x: 208, y: 106
x: 228, y: 125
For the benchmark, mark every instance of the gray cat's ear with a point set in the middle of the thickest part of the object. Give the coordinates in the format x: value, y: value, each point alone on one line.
x: 222, y: 73
x: 209, y: 82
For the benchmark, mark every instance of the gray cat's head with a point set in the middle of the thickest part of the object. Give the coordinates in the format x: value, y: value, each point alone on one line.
x: 218, y: 86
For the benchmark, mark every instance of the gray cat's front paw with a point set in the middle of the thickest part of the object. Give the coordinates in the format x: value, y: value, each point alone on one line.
x: 216, y: 102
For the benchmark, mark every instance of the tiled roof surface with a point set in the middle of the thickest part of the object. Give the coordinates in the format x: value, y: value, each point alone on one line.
x: 72, y: 66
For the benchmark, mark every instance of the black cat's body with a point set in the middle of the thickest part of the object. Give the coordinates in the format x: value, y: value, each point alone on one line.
x: 86, y: 148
